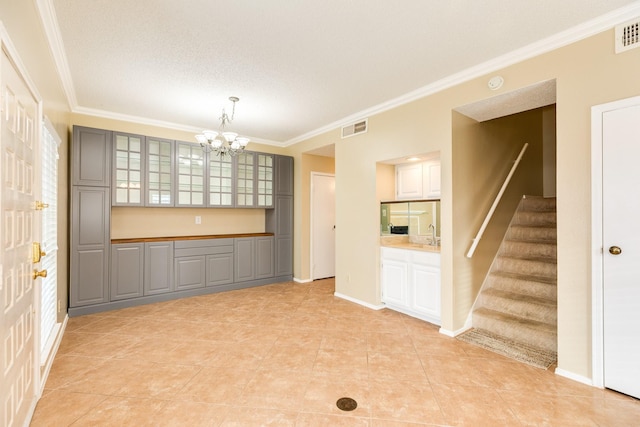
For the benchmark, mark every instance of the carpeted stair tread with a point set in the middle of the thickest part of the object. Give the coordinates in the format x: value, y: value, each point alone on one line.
x: 523, y: 284
x: 544, y: 219
x: 528, y: 232
x: 530, y: 332
x: 530, y: 249
x: 534, y: 267
x: 520, y: 305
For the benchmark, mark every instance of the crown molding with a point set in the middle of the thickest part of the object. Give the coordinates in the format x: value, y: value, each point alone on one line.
x: 158, y: 123
x: 572, y: 35
x: 56, y: 46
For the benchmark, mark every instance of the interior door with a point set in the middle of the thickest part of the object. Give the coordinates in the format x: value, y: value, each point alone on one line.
x: 323, y: 238
x: 18, y: 140
x: 621, y: 238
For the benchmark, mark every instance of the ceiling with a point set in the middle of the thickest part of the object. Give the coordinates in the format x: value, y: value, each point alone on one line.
x: 298, y: 67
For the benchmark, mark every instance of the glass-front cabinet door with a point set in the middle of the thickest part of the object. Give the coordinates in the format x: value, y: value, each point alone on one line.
x: 159, y: 172
x: 128, y: 170
x: 265, y: 180
x: 191, y: 168
x: 245, y: 179
x: 220, y: 180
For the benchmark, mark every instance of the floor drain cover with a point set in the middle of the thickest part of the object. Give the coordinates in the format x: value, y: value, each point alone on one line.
x: 346, y: 404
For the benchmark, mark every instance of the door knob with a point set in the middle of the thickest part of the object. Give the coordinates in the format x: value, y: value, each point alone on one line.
x: 615, y: 250
x: 41, y: 273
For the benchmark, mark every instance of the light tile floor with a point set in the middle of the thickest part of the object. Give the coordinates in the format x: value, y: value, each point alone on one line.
x: 282, y: 355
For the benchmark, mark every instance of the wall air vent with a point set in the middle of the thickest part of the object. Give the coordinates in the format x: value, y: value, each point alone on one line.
x: 628, y: 35
x: 355, y: 128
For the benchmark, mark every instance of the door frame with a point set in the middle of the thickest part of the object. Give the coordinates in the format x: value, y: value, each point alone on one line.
x: 311, y: 217
x: 597, y: 228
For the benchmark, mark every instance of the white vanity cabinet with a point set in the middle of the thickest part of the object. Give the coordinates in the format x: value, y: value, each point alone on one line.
x: 410, y: 281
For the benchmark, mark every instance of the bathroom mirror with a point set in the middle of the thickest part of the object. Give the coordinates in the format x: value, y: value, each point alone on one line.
x: 420, y: 218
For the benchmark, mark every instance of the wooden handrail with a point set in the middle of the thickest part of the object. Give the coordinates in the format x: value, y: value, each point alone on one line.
x: 476, y: 240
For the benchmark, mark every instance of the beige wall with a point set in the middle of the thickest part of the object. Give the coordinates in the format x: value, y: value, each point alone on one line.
x: 22, y: 23
x: 309, y: 164
x: 483, y: 155
x: 587, y: 73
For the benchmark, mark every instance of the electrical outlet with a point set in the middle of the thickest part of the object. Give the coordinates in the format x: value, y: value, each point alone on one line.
x: 198, y: 219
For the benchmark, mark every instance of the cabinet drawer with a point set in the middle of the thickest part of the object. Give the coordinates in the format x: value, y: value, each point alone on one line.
x: 207, y: 250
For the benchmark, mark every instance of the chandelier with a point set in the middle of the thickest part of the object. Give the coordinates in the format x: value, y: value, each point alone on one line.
x: 223, y: 143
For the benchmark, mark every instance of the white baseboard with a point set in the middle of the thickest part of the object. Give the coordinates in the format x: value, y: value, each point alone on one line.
x: 295, y: 279
x: 357, y: 301
x: 455, y: 333
x: 574, y: 377
x: 46, y: 367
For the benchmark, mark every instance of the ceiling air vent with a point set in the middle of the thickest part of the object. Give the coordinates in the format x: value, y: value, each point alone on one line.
x: 354, y: 128
x: 628, y: 35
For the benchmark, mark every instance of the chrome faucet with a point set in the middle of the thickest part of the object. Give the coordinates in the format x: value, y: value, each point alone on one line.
x: 432, y: 228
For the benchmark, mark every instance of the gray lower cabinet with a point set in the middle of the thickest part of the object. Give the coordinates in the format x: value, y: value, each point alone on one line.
x: 158, y: 267
x: 127, y: 270
x: 244, y: 268
x: 220, y: 269
x: 264, y: 257
x: 90, y: 246
x: 190, y: 272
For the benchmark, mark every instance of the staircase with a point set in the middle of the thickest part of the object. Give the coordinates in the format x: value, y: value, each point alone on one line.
x: 518, y: 298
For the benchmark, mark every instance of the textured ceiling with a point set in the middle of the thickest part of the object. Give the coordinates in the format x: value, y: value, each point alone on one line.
x: 297, y: 66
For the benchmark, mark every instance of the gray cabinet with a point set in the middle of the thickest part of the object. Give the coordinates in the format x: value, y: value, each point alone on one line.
x: 221, y: 181
x: 220, y: 269
x: 160, y: 173
x: 90, y: 245
x: 158, y: 267
x: 244, y: 268
x: 264, y: 257
x: 190, y: 272
x: 128, y: 169
x: 284, y: 175
x: 190, y: 173
x: 127, y: 270
x: 91, y: 157
x: 264, y: 180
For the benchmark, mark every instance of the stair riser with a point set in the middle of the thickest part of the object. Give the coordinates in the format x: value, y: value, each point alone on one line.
x: 529, y: 249
x: 525, y: 309
x: 535, y: 218
x: 526, y: 267
x: 539, y: 204
x: 548, y: 234
x: 525, y: 287
x: 518, y: 332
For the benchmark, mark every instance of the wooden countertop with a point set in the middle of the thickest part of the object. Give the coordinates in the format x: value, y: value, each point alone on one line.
x: 174, y: 238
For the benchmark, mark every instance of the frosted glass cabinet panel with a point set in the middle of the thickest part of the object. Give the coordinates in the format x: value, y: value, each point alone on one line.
x: 159, y: 172
x: 245, y: 181
x: 190, y: 167
x: 265, y: 180
x: 128, y: 170
x: 220, y: 180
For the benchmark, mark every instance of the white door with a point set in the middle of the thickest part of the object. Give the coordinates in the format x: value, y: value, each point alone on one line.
x: 323, y: 226
x: 19, y: 137
x: 621, y: 247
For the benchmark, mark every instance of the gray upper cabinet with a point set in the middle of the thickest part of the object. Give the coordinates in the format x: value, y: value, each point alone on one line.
x: 91, y: 157
x: 245, y: 180
x: 128, y: 169
x: 190, y: 173
x: 160, y: 172
x: 158, y: 267
x: 127, y: 270
x: 284, y: 175
x: 221, y: 179
x: 90, y: 245
x: 264, y: 180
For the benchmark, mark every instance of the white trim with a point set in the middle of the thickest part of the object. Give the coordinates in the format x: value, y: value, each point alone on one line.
x: 49, y: 21
x: 52, y: 355
x: 295, y: 279
x: 311, y: 212
x: 575, y: 377
x: 597, y: 258
x: 360, y: 302
x: 455, y: 333
x: 572, y: 35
